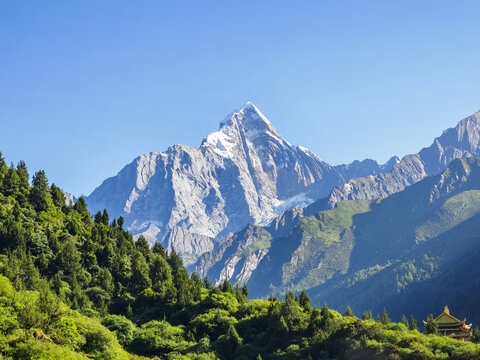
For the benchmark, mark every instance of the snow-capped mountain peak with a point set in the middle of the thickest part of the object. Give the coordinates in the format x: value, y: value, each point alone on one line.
x: 189, y: 197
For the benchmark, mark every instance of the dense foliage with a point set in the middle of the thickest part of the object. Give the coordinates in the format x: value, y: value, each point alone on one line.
x: 77, y: 286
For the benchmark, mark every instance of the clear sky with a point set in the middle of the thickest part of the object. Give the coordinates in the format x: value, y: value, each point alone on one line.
x: 86, y: 86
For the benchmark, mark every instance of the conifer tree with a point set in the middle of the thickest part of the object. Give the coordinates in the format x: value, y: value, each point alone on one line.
x: 404, y: 320
x: 161, y: 274
x: 384, y: 319
x: 174, y: 261
x: 158, y: 249
x: 327, y: 321
x: 121, y: 220
x: 40, y: 196
x: 142, y: 245
x: 140, y: 279
x: 349, y: 312
x: 304, y: 300
x: 24, y: 182
x: 69, y: 258
x: 229, y: 342
x: 81, y: 207
x: 183, y: 287
x: 98, y: 219
x: 226, y: 286
x: 245, y: 290
x: 105, y: 217
x: 3, y: 169
x: 412, y: 324
x: 207, y: 283
x: 57, y: 196
x: 431, y: 327
x: 11, y: 183
x: 367, y: 315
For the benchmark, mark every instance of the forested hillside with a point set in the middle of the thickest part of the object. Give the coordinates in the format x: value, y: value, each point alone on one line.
x: 76, y: 286
x: 370, y: 254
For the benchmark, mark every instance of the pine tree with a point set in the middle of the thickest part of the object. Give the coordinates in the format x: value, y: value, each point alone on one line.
x: 207, y: 283
x: 158, y: 249
x: 70, y: 258
x: 327, y: 321
x: 229, y: 342
x: 40, y: 196
x: 431, y: 327
x: 24, y: 182
x: 174, y: 261
x: 140, y: 279
x: 105, y: 218
x: 367, y: 315
x: 384, y: 319
x: 304, y: 300
x: 11, y: 183
x: 98, y: 219
x: 404, y: 320
x: 142, y: 245
x: 81, y: 207
x: 226, y: 286
x: 120, y: 222
x: 161, y: 274
x: 183, y: 284
x: 57, y: 196
x: 3, y: 169
x: 196, y: 286
x: 245, y: 291
x: 349, y: 312
x: 412, y: 325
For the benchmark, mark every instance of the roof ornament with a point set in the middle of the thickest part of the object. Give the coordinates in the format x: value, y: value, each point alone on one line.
x: 446, y: 311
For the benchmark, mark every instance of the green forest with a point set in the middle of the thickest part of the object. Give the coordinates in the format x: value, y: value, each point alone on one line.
x: 77, y: 286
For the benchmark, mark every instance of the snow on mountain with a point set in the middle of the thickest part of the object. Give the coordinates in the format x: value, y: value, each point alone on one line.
x: 245, y: 172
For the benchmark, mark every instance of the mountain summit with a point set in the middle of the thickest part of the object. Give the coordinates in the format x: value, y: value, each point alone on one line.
x: 243, y: 173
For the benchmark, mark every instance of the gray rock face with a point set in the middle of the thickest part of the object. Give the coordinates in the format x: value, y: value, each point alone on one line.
x: 240, y: 254
x: 70, y: 200
x: 244, y: 173
x: 459, y: 142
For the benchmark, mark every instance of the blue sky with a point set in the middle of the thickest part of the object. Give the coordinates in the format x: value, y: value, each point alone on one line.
x: 87, y: 86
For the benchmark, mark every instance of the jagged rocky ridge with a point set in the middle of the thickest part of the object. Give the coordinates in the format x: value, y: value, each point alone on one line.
x: 459, y: 142
x: 189, y: 198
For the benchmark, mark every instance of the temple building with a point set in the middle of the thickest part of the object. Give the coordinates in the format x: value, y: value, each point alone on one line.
x: 449, y: 325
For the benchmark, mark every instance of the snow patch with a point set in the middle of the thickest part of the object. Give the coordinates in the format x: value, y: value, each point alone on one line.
x: 298, y: 201
x: 131, y: 199
x: 222, y: 143
x: 146, y: 165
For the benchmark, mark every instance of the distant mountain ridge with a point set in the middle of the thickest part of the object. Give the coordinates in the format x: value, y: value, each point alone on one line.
x: 188, y: 198
x: 459, y: 142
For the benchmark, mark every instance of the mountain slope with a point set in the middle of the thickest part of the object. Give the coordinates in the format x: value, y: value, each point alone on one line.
x: 244, y: 173
x: 367, y: 253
